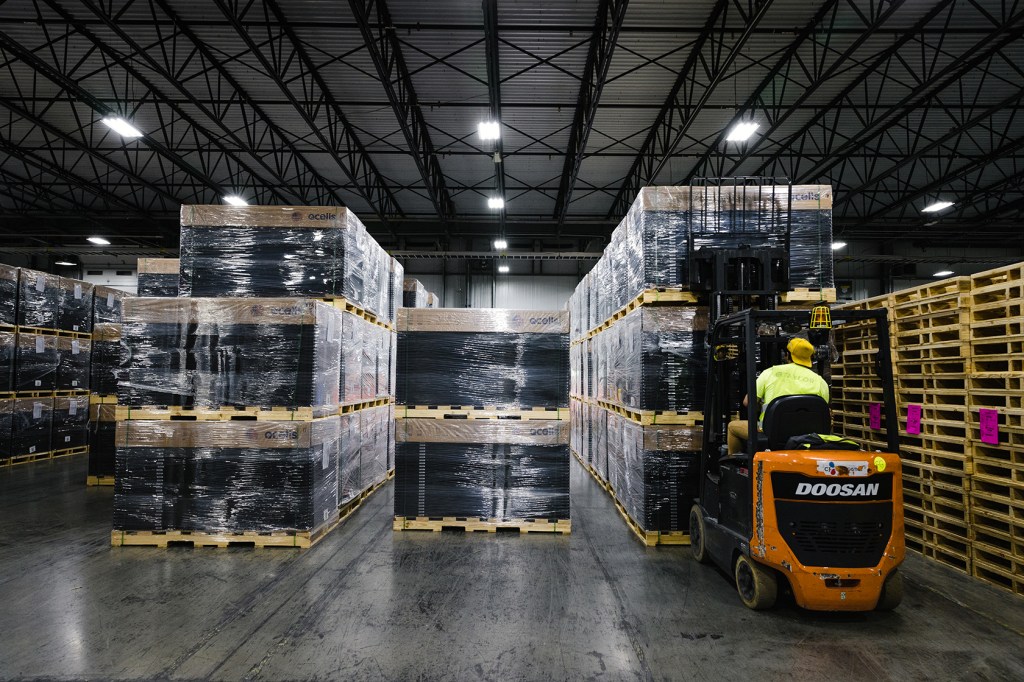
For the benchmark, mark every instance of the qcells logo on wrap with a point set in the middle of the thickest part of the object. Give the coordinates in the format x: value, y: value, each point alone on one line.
x: 322, y: 216
x: 543, y: 432
x: 296, y: 216
x: 550, y: 319
x: 256, y: 310
x: 281, y: 435
x: 516, y: 319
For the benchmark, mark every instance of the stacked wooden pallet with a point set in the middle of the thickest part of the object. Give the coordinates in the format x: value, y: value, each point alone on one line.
x: 930, y: 329
x: 996, y: 425
x: 855, y: 383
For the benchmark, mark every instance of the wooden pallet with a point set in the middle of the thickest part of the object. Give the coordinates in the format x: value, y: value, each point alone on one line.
x: 651, y: 417
x: 998, y: 565
x: 473, y: 413
x: 66, y: 393
x: 68, y: 452
x: 97, y: 399
x: 25, y: 459
x: 301, y: 539
x: 807, y: 295
x: 473, y: 525
x: 998, y: 277
x: 342, y: 303
x: 125, y: 413
x: 99, y: 480
x: 941, y: 289
x: 347, y: 408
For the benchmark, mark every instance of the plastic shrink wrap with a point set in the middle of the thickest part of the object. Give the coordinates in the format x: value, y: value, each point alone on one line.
x: 228, y: 476
x: 6, y: 426
x: 8, y: 358
x: 38, y: 295
x: 8, y: 294
x: 503, y: 359
x: 30, y: 426
x: 365, y: 372
x: 158, y: 276
x: 365, y: 438
x: 35, y: 365
x: 73, y: 363
x: 213, y: 352
x: 414, y: 294
x: 488, y: 469
x: 110, y: 359
x: 70, y: 428
x: 651, y: 246
x: 102, y: 440
x: 653, y: 359
x: 432, y: 300
x: 106, y: 305
x: 653, y: 470
x: 282, y: 251
x: 396, y: 291
x: 74, y: 305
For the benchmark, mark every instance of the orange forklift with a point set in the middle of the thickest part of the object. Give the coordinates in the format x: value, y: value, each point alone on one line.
x: 826, y: 521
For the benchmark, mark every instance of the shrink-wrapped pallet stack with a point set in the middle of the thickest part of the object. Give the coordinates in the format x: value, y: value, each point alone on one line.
x: 482, y: 431
x: 45, y: 351
x: 109, y: 363
x: 638, y: 332
x: 256, y: 406
x: 158, y: 276
x: 958, y: 347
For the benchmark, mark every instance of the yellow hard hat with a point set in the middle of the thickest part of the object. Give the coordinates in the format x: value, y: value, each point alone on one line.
x: 801, y: 351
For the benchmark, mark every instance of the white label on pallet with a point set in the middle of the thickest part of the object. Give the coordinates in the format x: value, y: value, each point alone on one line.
x: 39, y: 344
x: 39, y: 382
x: 74, y: 382
x: 40, y: 283
x: 37, y: 410
x: 110, y: 300
x: 78, y: 291
x: 73, y: 407
x: 327, y: 459
x: 31, y: 449
x: 67, y: 439
x: 75, y: 346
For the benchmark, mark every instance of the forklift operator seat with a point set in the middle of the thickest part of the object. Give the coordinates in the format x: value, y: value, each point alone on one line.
x: 794, y: 415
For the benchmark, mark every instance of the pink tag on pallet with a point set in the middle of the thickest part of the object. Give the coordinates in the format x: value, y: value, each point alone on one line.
x: 913, y: 420
x: 989, y: 426
x: 875, y: 416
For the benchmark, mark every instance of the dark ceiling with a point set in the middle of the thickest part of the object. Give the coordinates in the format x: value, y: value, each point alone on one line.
x: 375, y: 105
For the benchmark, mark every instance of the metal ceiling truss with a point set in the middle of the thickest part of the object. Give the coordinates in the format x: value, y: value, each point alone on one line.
x: 287, y: 63
x: 379, y: 36
x: 729, y: 26
x: 59, y: 59
x: 607, y: 24
x: 490, y: 10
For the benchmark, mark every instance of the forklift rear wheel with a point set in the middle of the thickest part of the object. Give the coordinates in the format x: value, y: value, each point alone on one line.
x: 892, y: 592
x: 698, y: 545
x: 757, y: 585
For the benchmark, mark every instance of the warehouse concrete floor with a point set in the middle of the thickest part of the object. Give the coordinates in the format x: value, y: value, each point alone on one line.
x: 369, y: 603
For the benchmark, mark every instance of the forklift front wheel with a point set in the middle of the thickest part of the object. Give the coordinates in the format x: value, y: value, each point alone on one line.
x: 892, y: 592
x: 698, y: 544
x: 757, y: 585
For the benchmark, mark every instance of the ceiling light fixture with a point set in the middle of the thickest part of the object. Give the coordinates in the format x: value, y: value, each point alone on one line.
x: 65, y: 263
x: 100, y: 241
x: 495, y: 202
x: 122, y: 127
x: 235, y: 200
x: 503, y: 269
x: 741, y: 132
x: 500, y: 244
x: 937, y: 206
x: 943, y: 273
x: 489, y: 130
x: 838, y: 245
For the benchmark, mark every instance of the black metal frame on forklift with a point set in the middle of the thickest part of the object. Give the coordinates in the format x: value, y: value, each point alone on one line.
x: 718, y: 404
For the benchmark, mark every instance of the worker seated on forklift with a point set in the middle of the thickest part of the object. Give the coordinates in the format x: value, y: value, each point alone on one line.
x: 793, y: 378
